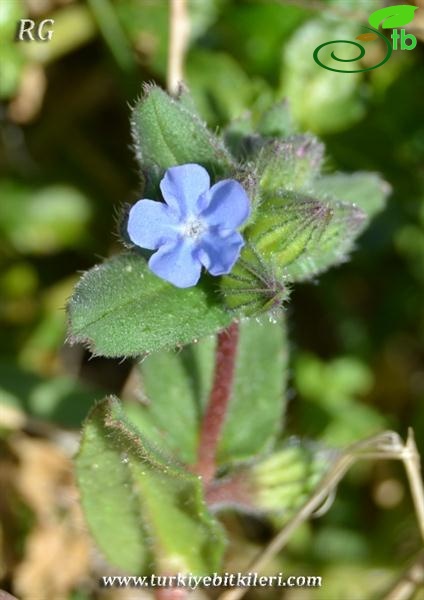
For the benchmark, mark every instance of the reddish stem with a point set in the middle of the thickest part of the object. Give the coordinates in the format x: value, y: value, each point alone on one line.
x: 171, y: 593
x: 233, y: 491
x: 214, y: 417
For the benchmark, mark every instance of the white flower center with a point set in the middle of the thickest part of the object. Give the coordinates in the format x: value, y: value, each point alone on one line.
x: 193, y: 228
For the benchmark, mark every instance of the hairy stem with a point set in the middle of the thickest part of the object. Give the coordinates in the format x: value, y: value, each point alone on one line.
x: 170, y: 593
x: 216, y: 410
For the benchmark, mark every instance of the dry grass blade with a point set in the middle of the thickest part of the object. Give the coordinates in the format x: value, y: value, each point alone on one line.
x: 411, y: 580
x: 387, y: 445
x: 178, y: 39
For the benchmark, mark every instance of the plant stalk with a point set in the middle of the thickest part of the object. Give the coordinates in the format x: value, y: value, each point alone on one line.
x: 216, y: 410
x: 179, y: 28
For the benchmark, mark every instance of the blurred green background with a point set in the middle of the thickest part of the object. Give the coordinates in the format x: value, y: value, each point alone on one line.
x: 357, y: 335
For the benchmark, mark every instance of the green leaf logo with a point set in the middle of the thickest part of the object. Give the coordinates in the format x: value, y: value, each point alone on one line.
x: 392, y: 16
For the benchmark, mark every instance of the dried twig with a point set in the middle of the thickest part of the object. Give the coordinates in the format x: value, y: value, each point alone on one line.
x: 178, y: 39
x: 412, y: 463
x: 410, y: 581
x: 384, y: 446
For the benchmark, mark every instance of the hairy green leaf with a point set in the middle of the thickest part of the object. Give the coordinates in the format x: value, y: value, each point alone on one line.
x: 366, y: 190
x: 290, y: 164
x: 177, y: 385
x: 252, y: 286
x: 294, y: 238
x: 289, y: 223
x: 175, y: 388
x: 144, y: 511
x: 167, y: 133
x: 333, y: 246
x: 120, y: 308
x: 109, y: 501
x: 287, y: 226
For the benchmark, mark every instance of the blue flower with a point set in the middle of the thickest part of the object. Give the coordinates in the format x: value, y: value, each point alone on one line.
x: 196, y: 227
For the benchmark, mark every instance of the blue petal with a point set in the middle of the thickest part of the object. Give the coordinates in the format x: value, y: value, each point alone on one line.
x: 228, y: 206
x: 177, y: 264
x: 218, y: 254
x: 182, y: 187
x: 151, y: 224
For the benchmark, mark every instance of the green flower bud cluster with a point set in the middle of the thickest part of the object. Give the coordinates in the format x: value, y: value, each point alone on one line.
x: 303, y: 222
x: 283, y: 481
